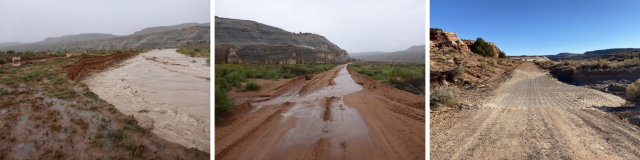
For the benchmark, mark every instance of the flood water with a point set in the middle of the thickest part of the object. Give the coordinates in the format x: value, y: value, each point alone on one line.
x: 344, y: 123
x: 163, y: 89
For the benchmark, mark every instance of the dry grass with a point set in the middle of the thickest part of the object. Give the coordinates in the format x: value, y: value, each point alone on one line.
x: 444, y: 97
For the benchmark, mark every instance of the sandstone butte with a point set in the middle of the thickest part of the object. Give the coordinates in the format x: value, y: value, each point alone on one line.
x: 244, y: 41
x: 443, y: 39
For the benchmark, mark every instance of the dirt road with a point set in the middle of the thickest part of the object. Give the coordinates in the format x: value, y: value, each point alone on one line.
x: 339, y: 114
x: 533, y: 116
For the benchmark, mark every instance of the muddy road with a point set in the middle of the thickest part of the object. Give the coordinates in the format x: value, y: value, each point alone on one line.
x: 163, y: 90
x: 338, y: 114
x: 534, y: 116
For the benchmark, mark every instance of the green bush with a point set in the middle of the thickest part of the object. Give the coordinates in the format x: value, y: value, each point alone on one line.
x: 482, y: 48
x: 378, y: 77
x: 2, y: 61
x: 234, y: 78
x: 251, y: 86
x: 223, y: 103
x: 4, y: 92
x: 444, y: 97
x: 273, y: 74
x: 369, y: 73
x: 251, y: 72
x: 502, y: 55
x: 633, y: 91
x: 288, y: 75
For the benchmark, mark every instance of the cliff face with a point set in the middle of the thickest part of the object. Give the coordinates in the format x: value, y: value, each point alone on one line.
x: 442, y: 39
x: 243, y: 41
x: 151, y: 30
x: 169, y: 39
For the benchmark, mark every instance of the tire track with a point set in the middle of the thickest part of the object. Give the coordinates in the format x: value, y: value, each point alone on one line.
x: 533, y: 116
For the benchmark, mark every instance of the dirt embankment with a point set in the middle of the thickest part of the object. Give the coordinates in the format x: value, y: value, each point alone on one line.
x: 534, y: 116
x: 76, y: 70
x: 328, y: 117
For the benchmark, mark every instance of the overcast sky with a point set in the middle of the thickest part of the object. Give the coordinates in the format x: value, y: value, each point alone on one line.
x: 355, y: 25
x: 32, y: 21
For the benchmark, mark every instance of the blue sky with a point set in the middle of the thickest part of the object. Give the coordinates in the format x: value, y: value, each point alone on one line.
x: 542, y: 27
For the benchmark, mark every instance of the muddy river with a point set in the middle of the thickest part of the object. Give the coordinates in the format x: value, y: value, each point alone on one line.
x: 164, y: 90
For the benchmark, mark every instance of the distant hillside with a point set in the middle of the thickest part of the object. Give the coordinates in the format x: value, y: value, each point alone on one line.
x: 169, y: 28
x: 589, y: 54
x: 366, y: 53
x: 78, y: 38
x: 194, y: 35
x: 9, y: 44
x: 245, y: 41
x: 413, y: 54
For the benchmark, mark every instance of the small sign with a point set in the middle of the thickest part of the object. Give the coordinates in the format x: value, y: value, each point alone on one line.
x: 14, y: 63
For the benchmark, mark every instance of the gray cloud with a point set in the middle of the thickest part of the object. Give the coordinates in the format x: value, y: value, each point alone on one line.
x: 32, y: 21
x: 356, y: 26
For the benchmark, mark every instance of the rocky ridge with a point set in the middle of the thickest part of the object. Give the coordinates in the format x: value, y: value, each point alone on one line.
x: 244, y: 41
x: 442, y: 39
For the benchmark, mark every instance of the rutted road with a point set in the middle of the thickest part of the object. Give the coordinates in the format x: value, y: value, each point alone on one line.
x: 533, y: 116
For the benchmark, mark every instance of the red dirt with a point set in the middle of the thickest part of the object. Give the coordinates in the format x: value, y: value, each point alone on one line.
x: 377, y: 122
x: 76, y: 70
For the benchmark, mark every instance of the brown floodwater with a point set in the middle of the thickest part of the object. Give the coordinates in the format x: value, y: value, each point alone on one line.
x: 164, y: 90
x: 311, y: 122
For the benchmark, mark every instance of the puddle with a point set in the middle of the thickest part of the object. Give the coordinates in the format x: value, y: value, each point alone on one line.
x: 342, y: 123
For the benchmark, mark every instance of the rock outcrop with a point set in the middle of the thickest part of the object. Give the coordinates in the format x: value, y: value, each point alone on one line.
x: 244, y: 41
x: 442, y: 39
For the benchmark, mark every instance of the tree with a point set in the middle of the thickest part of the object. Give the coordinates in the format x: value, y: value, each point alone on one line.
x: 502, y: 55
x: 11, y: 52
x: 482, y: 48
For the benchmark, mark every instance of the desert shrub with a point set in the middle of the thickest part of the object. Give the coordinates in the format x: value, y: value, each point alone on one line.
x: 2, y: 61
x: 4, y: 91
x: 482, y: 48
x: 234, y: 78
x: 456, y: 71
x: 308, y: 77
x: 452, y: 51
x: 288, y: 75
x: 369, y: 73
x: 251, y: 86
x: 378, y: 77
x: 502, y: 55
x: 305, y: 69
x: 444, y: 97
x: 223, y: 103
x: 633, y: 91
x: 251, y: 72
x: 273, y: 74
x: 28, y: 53
x: 11, y: 51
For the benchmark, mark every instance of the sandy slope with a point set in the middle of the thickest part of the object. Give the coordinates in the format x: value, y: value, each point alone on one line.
x: 533, y: 116
x: 339, y: 114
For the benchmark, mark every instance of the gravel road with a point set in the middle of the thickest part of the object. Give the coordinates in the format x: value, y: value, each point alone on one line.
x: 534, y: 116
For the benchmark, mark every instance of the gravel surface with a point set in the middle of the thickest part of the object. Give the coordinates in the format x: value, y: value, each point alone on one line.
x: 533, y: 116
